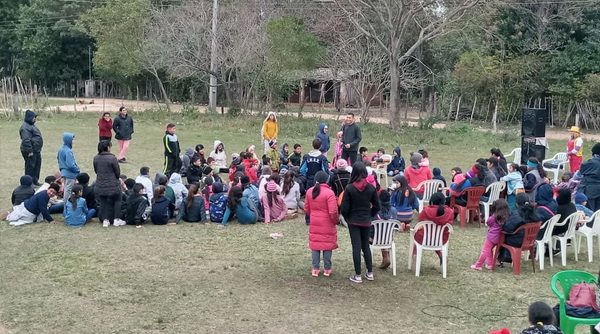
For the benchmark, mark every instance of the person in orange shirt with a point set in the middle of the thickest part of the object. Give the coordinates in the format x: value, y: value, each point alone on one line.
x: 269, y: 130
x: 575, y: 149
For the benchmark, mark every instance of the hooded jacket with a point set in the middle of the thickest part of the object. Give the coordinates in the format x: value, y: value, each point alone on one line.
x: 397, y: 162
x: 360, y: 203
x: 179, y: 189
x: 590, y: 182
x: 270, y: 129
x: 324, y: 137
x: 414, y: 176
x: 220, y: 157
x: 430, y: 213
x: 283, y: 156
x: 123, y: 127
x: 351, y: 135
x: 186, y: 161
x: 31, y: 137
x: 66, y: 159
x: 24, y: 191
x: 136, y: 209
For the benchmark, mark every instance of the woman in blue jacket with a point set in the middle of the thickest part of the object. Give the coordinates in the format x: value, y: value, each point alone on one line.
x: 241, y: 206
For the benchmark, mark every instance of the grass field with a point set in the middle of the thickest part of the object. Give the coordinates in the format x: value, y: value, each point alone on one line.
x: 195, y: 278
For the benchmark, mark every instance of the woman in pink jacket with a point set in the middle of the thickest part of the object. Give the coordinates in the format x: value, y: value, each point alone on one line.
x: 321, y: 206
x: 273, y: 203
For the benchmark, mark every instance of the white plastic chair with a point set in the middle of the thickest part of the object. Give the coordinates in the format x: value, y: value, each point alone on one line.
x: 432, y: 240
x: 546, y: 240
x: 384, y: 238
x: 571, y: 221
x: 381, y: 169
x: 589, y: 233
x: 560, y: 160
x: 516, y: 154
x: 494, y: 191
x: 429, y: 187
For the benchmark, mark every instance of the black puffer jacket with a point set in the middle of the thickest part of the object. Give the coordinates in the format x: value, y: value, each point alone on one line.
x: 31, y: 137
x: 123, y: 127
x: 107, y: 171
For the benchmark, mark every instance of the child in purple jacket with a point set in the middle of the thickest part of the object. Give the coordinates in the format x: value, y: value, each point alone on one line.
x: 500, y: 213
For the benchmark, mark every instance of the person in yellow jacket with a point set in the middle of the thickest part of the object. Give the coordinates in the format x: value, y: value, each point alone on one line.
x: 575, y: 150
x: 269, y: 131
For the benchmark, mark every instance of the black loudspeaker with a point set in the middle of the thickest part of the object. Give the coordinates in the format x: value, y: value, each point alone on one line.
x: 530, y: 149
x: 533, y: 122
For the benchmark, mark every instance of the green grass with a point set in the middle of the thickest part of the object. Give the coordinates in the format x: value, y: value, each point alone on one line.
x: 195, y: 278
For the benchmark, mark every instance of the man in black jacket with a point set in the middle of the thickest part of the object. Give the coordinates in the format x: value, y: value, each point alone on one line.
x: 351, y: 138
x: 31, y: 146
x: 123, y: 127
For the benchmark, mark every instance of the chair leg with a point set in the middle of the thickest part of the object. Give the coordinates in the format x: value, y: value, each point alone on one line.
x: 444, y: 262
x: 393, y: 254
x: 563, y: 251
x: 486, y: 212
x: 590, y: 246
x: 462, y: 215
x: 541, y: 251
x: 410, y: 252
x: 418, y: 263
x: 551, y: 252
x: 575, y: 245
x: 597, y: 237
x: 516, y: 260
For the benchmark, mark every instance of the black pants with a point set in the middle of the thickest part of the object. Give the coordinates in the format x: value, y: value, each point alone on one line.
x: 359, y: 236
x: 110, y: 207
x: 172, y: 165
x: 349, y: 156
x: 33, y: 164
x: 594, y: 204
x: 104, y: 138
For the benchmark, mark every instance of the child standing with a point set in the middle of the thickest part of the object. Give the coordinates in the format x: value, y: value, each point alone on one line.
x: 321, y: 207
x: 323, y: 136
x: 500, y: 214
x: 273, y: 155
x: 270, y: 130
x: 339, y: 146
x: 76, y: 210
x: 313, y: 162
x: 514, y: 185
x: 67, y: 164
x: 171, y: 144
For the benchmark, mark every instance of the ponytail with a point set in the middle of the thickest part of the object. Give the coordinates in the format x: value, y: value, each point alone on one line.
x: 76, y: 192
x: 440, y: 200
x: 320, y: 177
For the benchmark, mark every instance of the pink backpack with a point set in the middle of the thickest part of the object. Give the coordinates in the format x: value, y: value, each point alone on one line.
x: 582, y: 295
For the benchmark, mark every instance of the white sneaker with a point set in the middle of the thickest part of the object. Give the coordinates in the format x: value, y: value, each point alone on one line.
x: 105, y: 223
x: 119, y: 222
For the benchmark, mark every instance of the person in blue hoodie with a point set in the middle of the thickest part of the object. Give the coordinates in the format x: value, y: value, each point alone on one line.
x: 323, y: 136
x: 28, y: 211
x: 397, y: 165
x: 76, y: 210
x: 67, y: 164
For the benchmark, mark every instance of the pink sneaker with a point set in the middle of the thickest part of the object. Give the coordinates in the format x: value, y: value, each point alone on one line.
x: 328, y: 272
x: 488, y: 267
x: 474, y: 267
x: 316, y: 272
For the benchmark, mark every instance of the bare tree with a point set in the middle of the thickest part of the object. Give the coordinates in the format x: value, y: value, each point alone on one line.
x: 399, y: 28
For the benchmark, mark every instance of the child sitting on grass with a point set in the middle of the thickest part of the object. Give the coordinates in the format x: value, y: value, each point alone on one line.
x: 162, y: 208
x: 500, y: 213
x: 241, y: 206
x: 24, y: 191
x: 193, y: 209
x: 76, y: 210
x: 217, y: 203
x: 541, y: 318
x: 137, y: 204
x: 272, y: 202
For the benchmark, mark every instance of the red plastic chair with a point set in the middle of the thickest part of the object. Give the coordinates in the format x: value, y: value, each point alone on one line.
x: 531, y: 231
x: 473, y: 197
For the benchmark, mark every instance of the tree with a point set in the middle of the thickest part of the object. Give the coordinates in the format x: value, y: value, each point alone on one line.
x: 399, y: 28
x: 124, y: 49
x: 9, y: 14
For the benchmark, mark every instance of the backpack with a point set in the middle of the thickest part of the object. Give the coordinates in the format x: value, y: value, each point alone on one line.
x: 217, y: 208
x: 583, y: 295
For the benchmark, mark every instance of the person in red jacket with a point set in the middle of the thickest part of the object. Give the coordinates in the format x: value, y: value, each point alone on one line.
x: 416, y: 174
x: 321, y: 207
x: 439, y: 213
x: 105, y: 124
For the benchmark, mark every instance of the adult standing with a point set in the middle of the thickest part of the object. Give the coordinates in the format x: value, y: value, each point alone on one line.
x: 105, y: 125
x: 575, y: 150
x: 359, y: 205
x: 351, y: 138
x: 590, y: 181
x: 270, y: 130
x: 108, y: 185
x: 123, y: 127
x: 31, y: 146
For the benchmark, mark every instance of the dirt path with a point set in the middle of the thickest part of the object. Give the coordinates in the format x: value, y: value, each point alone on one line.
x: 113, y: 105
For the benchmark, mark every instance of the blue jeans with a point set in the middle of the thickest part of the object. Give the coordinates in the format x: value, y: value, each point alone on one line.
x: 316, y: 259
x: 91, y: 214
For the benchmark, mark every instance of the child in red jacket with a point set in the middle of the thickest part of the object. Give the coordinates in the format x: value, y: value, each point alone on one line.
x: 321, y: 207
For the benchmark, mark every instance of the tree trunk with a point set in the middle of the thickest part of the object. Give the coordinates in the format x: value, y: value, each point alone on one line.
x: 494, y: 118
x: 301, y: 97
x: 163, y: 91
x: 458, y: 108
x: 473, y: 109
x: 394, y: 96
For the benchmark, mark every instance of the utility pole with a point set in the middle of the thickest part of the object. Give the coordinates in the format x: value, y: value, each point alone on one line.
x: 212, y: 90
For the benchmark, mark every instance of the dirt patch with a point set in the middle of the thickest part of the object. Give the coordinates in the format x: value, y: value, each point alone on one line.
x: 3, y: 330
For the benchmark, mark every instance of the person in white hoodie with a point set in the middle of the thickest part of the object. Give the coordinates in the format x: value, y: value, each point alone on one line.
x: 179, y: 189
x: 218, y: 153
x: 144, y: 179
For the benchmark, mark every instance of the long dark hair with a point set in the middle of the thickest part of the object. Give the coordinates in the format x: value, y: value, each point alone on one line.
x: 526, y: 209
x: 104, y: 146
x: 159, y: 192
x: 404, y: 190
x: 76, y: 192
x: 288, y: 182
x: 235, y: 198
x: 539, y: 168
x: 320, y: 177
x: 359, y: 172
x: 190, y: 198
x: 272, y: 195
x: 501, y: 210
x: 440, y: 200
